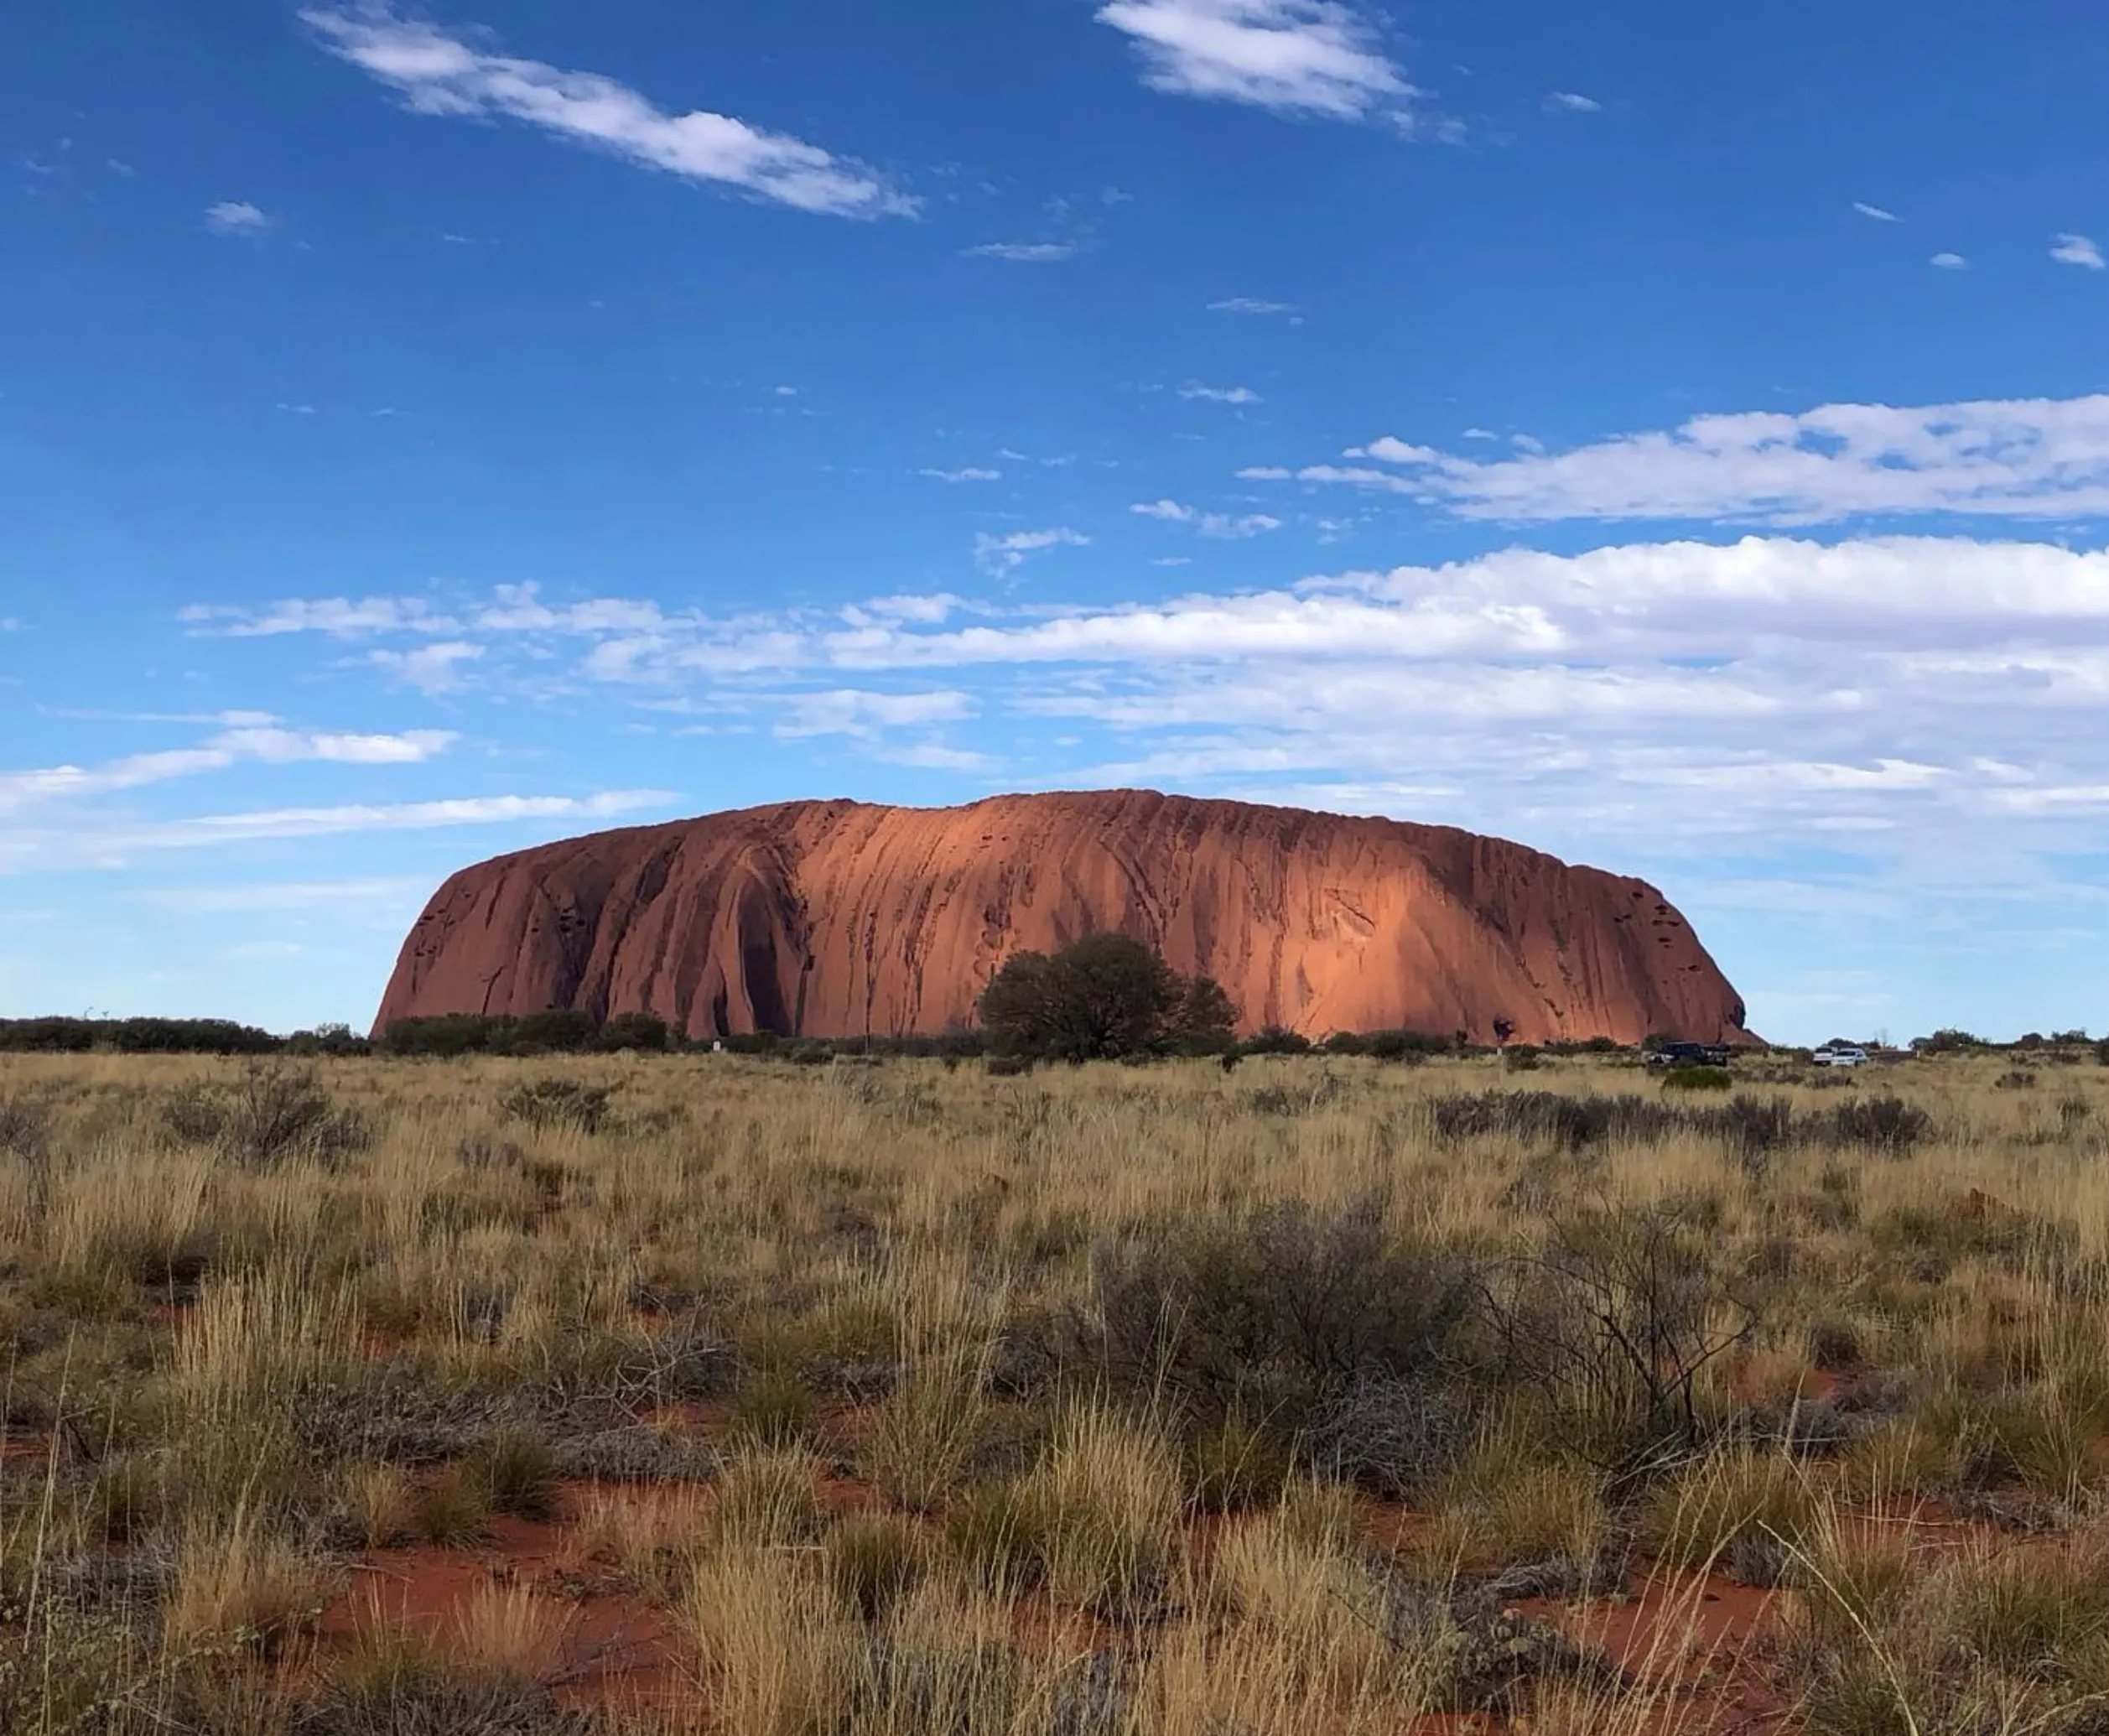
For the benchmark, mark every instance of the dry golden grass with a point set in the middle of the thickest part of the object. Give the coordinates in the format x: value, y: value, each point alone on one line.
x: 973, y: 1471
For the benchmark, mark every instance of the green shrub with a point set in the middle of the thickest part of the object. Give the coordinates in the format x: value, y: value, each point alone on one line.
x: 1885, y: 1124
x: 560, y: 1103
x: 1698, y: 1079
x: 1280, y: 1317
x: 1103, y: 998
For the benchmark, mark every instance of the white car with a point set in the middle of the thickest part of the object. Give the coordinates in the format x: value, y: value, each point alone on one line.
x: 1844, y: 1054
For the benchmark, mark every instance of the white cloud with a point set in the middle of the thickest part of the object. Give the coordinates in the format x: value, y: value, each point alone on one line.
x: 1025, y: 252
x: 1950, y: 262
x: 262, y: 743
x: 935, y: 756
x: 1296, y: 56
x: 1003, y: 554
x: 278, y: 746
x: 1193, y: 389
x: 970, y: 473
x: 1908, y: 701
x: 849, y: 712
x: 2025, y: 458
x: 235, y: 216
x: 1252, y: 305
x: 1209, y: 524
x: 513, y: 610
x: 340, y: 617
x: 24, y: 848
x: 928, y: 610
x: 331, y: 896
x: 1572, y: 102
x: 519, y: 609
x: 2075, y: 250
x: 438, y: 74
x: 1876, y: 212
x: 430, y: 668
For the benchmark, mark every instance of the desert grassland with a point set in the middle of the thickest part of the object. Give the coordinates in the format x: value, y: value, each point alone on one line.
x: 1320, y: 1395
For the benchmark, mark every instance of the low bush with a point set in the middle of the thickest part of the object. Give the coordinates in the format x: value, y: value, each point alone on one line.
x: 561, y: 1103
x: 1550, y: 1117
x: 1698, y: 1079
x: 273, y: 1112
x: 1287, y: 1318
x: 1886, y: 1124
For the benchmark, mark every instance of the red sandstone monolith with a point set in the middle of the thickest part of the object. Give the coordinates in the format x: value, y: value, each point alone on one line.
x: 838, y: 918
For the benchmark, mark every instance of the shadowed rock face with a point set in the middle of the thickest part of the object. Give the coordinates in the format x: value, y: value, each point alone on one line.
x: 836, y: 919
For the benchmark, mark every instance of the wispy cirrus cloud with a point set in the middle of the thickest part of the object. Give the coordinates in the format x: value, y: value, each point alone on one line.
x: 868, y: 716
x: 1253, y: 305
x: 510, y: 609
x: 392, y: 891
x: 1209, y: 524
x: 1883, y: 695
x: 235, y: 216
x: 343, y: 616
x: 1003, y: 555
x: 1296, y: 57
x: 441, y: 73
x: 1572, y: 102
x: 2033, y: 458
x: 968, y: 473
x: 263, y: 743
x: 2076, y: 250
x: 439, y: 668
x: 1195, y: 391
x: 1875, y: 213
x: 1052, y: 252
x: 108, y: 846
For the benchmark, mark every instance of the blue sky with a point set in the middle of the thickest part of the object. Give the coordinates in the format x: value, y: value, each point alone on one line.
x: 1677, y: 440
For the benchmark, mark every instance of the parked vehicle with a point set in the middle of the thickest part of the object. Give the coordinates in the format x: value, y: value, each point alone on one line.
x: 1843, y: 1055
x: 1690, y: 1054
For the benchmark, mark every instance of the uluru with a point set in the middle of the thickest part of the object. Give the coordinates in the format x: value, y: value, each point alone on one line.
x: 844, y: 918
x: 840, y: 918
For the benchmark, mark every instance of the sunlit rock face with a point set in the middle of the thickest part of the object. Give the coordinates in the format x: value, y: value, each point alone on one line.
x: 840, y: 918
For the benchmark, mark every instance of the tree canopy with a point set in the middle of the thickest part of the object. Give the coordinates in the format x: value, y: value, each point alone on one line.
x: 1101, y: 998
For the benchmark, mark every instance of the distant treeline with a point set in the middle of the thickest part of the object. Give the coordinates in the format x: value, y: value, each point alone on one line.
x: 579, y: 1033
x: 135, y: 1037
x: 562, y: 1032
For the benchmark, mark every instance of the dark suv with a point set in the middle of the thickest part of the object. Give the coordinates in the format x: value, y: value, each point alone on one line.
x: 1690, y: 1054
